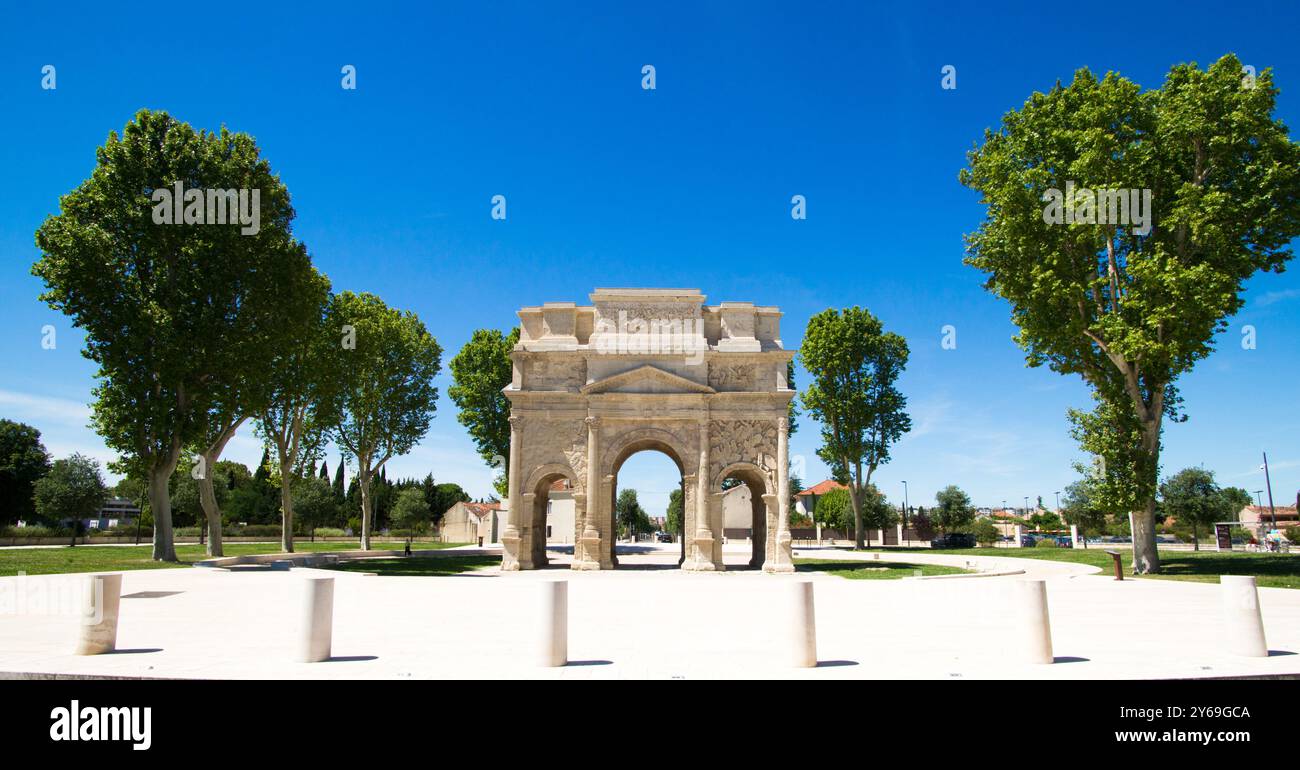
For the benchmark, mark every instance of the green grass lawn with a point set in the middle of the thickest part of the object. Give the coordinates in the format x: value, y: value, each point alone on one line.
x: 95, y: 558
x: 419, y: 566
x: 872, y: 570
x: 1272, y: 570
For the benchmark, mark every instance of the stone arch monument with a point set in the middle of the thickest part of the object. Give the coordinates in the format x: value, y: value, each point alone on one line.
x: 648, y: 369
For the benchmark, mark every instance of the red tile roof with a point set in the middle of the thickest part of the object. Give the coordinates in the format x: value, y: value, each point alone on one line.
x: 822, y: 488
x: 481, y: 509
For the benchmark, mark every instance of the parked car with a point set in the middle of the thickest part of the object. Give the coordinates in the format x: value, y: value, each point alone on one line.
x: 664, y: 537
x: 1064, y: 541
x: 954, y: 540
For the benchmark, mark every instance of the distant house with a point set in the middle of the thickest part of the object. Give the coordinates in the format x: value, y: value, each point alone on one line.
x: 467, y: 522
x: 806, y: 501
x: 1254, y: 516
x: 116, y: 511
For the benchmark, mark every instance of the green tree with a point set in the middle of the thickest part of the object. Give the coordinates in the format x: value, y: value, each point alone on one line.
x: 480, y: 371
x: 854, y: 364
x: 444, y: 497
x: 156, y: 300
x: 23, y: 461
x: 411, y: 511
x: 1131, y: 306
x: 797, y: 519
x: 631, y: 517
x: 834, y: 510
x: 675, y: 514
x: 877, y: 513
x: 187, y: 499
x: 297, y: 403
x: 386, y: 393
x: 1078, y: 507
x: 313, y: 503
x: 953, y: 511
x: 73, y: 489
x: 1235, y: 498
x: 985, y: 532
x: 1195, y: 501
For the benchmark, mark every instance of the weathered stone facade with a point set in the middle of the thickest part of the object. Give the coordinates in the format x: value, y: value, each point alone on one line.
x: 648, y: 369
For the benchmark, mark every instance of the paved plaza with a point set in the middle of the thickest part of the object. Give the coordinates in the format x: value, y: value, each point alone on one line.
x: 648, y: 619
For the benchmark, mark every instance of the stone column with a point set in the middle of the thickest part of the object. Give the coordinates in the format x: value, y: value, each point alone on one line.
x: 587, y: 551
x: 511, y: 557
x: 702, y: 559
x: 783, y: 559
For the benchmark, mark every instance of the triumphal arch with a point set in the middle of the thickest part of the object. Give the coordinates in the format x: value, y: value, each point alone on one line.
x: 648, y: 369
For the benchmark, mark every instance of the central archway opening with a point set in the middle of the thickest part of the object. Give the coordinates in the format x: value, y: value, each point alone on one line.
x: 652, y: 471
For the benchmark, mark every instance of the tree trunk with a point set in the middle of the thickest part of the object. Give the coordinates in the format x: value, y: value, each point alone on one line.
x: 211, y: 512
x: 1146, y: 559
x: 286, y: 510
x: 364, y: 483
x: 160, y: 503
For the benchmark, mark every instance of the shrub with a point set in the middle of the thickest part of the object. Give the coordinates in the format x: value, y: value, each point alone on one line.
x: 1048, y: 543
x: 985, y: 532
x: 187, y: 532
x: 262, y: 530
x: 328, y: 532
x: 1292, y: 534
x: 35, y: 532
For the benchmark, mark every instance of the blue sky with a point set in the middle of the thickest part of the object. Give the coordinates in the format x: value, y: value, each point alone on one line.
x: 611, y: 185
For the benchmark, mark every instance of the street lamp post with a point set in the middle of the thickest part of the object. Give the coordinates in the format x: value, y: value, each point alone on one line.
x: 907, y: 539
x: 1272, y: 514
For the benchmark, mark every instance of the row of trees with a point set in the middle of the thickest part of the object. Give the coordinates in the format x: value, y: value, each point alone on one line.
x: 199, y: 329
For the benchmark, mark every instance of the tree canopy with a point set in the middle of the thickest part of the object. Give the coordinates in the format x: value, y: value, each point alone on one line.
x: 386, y: 397
x: 156, y: 300
x: 481, y: 370
x: 23, y: 461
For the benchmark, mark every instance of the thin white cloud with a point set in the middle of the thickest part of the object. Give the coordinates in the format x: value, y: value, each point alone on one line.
x: 43, y: 409
x: 1273, y: 297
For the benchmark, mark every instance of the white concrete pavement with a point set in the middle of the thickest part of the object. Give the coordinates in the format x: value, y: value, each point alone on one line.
x: 652, y: 621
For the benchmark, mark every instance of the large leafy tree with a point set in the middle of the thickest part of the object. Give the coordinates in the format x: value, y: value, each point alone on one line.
x: 1194, y: 500
x: 855, y: 366
x: 386, y: 397
x: 631, y: 517
x: 1080, y: 507
x: 296, y: 399
x: 1131, y: 308
x: 73, y: 489
x: 23, y: 461
x: 481, y: 370
x: 674, y: 516
x: 155, y: 300
x: 953, y: 511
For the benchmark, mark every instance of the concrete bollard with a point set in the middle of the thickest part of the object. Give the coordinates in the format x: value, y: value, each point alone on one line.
x: 803, y: 625
x: 553, y: 628
x: 102, y: 595
x: 317, y: 620
x: 1243, y: 624
x: 1035, y: 627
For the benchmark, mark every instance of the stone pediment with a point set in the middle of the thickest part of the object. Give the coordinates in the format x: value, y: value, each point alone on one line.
x: 646, y: 379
